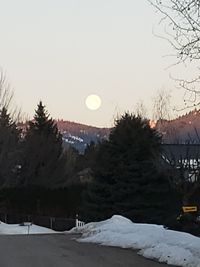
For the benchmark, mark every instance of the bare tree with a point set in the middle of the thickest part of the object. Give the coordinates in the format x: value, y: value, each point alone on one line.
x: 181, y: 19
x: 6, y: 95
x: 181, y: 23
x: 161, y: 105
x: 140, y: 110
x: 6, y: 98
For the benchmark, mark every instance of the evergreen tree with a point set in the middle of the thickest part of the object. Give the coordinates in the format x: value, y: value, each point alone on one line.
x: 87, y: 160
x: 9, y: 149
x: 43, y: 162
x: 127, y: 181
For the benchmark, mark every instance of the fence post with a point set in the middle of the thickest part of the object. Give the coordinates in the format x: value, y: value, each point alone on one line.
x: 28, y: 229
x: 29, y: 218
x: 76, y: 220
x: 51, y: 222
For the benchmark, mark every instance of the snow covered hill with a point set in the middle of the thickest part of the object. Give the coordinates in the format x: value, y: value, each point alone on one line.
x: 153, y: 241
x: 183, y: 129
x: 79, y: 135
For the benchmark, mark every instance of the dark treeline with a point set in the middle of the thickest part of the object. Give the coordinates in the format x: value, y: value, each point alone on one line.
x: 122, y: 175
x: 128, y: 177
x: 36, y: 175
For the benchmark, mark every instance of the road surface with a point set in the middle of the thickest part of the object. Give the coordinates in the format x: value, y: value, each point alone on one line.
x: 59, y: 250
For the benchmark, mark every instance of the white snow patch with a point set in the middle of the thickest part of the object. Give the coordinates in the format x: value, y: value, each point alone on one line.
x: 153, y: 241
x: 16, y: 229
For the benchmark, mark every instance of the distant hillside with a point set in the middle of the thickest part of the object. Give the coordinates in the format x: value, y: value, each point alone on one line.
x: 182, y: 130
x: 79, y: 135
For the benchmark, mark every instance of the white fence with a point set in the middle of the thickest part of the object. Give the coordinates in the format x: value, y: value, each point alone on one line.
x: 79, y: 223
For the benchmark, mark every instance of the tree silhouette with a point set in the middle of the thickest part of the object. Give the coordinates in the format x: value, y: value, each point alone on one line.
x: 42, y: 151
x: 9, y: 149
x: 126, y: 178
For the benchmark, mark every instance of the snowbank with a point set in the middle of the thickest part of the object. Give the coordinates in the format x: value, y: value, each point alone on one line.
x: 153, y: 241
x: 16, y: 229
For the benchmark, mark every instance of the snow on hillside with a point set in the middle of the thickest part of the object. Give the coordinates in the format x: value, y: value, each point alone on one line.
x: 79, y: 135
x: 153, y: 241
x: 16, y: 229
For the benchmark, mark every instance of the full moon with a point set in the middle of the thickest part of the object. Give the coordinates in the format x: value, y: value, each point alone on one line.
x: 93, y: 102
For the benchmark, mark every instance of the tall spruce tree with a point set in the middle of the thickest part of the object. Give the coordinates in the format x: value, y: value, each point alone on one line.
x: 127, y: 181
x: 42, y: 151
x: 9, y: 149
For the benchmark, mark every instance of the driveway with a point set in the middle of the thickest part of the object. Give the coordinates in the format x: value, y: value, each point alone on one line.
x: 59, y: 250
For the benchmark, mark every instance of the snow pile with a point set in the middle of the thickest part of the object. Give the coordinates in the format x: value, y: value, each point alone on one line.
x: 153, y: 241
x: 16, y: 229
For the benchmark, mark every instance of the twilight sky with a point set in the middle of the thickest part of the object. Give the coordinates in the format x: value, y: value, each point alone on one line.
x: 60, y: 51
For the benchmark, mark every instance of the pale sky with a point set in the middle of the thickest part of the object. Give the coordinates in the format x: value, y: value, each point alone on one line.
x: 61, y: 51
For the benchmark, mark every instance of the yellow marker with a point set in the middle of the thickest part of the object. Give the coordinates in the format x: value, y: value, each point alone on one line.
x: 189, y: 209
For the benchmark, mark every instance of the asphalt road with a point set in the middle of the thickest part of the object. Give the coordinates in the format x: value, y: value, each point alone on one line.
x: 59, y: 250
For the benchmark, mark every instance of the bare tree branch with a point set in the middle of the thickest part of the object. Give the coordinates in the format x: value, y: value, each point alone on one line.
x: 6, y: 98
x: 161, y: 106
x: 181, y: 23
x: 141, y: 110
